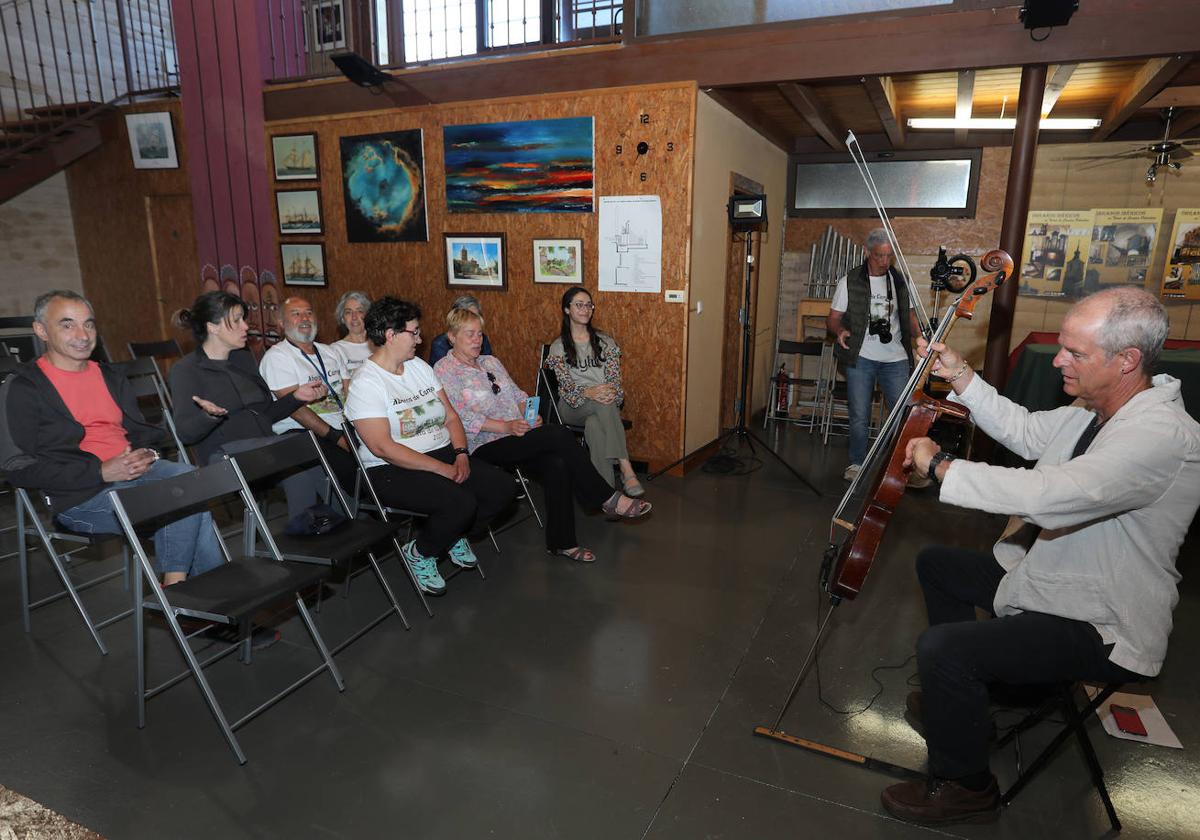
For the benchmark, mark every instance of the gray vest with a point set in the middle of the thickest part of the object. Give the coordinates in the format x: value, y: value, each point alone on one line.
x: 858, y: 311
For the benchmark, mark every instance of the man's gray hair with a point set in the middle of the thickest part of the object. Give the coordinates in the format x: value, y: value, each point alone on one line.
x: 340, y: 310
x: 468, y: 302
x: 1135, y: 318
x: 876, y: 238
x: 40, y: 305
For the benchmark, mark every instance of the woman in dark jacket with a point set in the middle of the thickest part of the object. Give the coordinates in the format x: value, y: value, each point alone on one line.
x: 222, y: 404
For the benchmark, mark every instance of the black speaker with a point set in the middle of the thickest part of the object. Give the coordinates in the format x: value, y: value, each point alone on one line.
x: 358, y: 70
x: 1037, y: 14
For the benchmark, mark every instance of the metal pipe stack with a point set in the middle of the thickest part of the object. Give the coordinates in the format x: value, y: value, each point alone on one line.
x: 832, y: 256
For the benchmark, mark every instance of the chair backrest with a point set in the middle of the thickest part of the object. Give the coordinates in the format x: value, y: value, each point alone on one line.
x: 813, y: 347
x: 8, y: 366
x: 547, y: 389
x: 16, y: 322
x: 168, y: 349
x: 362, y: 479
x: 147, y: 385
x: 182, y: 493
x: 289, y: 452
x: 19, y: 341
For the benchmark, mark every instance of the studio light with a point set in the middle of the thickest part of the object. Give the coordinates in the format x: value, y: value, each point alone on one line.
x: 747, y: 211
x: 1002, y: 123
x: 358, y: 70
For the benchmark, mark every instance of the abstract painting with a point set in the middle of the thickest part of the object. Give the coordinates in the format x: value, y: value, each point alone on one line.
x: 383, y: 183
x: 535, y: 166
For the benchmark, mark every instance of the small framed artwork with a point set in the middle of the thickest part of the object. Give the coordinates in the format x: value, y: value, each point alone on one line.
x: 475, y: 260
x: 558, y: 261
x: 303, y: 265
x: 152, y: 141
x: 299, y: 211
x: 295, y: 157
x: 329, y: 25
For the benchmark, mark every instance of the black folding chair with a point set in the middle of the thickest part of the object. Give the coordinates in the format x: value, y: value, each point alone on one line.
x: 337, y: 550
x: 1075, y: 723
x: 155, y: 350
x: 150, y: 392
x: 547, y: 391
x: 230, y: 594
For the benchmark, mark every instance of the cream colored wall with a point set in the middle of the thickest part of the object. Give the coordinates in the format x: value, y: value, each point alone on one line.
x: 725, y: 145
x: 37, y: 246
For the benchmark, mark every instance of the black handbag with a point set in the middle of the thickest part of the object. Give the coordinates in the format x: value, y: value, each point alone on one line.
x: 315, y: 521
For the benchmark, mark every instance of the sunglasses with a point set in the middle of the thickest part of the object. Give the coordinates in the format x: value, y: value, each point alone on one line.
x: 492, y: 378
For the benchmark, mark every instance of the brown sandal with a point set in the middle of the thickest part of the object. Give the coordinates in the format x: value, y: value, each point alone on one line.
x: 579, y: 554
x: 636, y: 510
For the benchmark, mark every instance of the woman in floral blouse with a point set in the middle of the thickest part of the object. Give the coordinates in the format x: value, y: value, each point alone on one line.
x: 492, y: 409
x: 587, y: 363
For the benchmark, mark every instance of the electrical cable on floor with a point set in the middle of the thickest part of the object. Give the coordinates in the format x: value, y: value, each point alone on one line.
x: 874, y: 678
x: 727, y: 461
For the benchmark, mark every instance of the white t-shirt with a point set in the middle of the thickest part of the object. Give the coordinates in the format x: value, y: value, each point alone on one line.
x: 410, y: 402
x: 872, y: 347
x: 285, y: 366
x: 353, y: 353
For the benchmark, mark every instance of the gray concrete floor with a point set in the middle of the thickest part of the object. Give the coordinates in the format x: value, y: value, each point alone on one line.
x: 558, y: 700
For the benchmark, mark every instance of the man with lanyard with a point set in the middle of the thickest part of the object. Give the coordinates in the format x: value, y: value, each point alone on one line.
x: 871, y: 319
x: 1082, y: 583
x: 298, y: 359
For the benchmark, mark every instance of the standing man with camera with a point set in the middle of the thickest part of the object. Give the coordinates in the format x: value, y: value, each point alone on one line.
x: 874, y: 325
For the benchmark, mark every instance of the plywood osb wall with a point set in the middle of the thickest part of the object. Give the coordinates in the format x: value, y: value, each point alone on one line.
x: 652, y: 333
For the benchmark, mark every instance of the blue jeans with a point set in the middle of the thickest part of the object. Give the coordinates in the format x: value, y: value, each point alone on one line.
x: 185, y: 545
x: 860, y: 390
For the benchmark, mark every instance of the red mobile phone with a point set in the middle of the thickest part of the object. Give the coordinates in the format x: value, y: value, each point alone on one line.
x: 1127, y: 720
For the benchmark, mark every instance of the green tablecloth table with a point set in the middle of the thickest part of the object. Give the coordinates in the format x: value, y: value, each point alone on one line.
x: 1036, y: 384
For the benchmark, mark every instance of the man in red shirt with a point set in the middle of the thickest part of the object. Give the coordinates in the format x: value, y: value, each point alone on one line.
x: 73, y: 431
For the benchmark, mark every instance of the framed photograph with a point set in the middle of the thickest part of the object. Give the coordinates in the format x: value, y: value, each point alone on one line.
x: 558, y: 261
x: 152, y: 141
x: 303, y: 265
x: 475, y: 260
x: 329, y: 25
x: 299, y: 211
x: 295, y: 157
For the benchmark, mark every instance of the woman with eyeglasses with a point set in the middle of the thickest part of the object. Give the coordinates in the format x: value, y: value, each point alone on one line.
x: 587, y: 364
x: 414, y: 448
x: 492, y: 410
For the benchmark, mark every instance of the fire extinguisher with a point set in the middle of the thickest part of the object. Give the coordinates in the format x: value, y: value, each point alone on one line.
x: 781, y: 390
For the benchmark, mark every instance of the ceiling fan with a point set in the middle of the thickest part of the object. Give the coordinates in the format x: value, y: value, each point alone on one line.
x: 1164, y: 154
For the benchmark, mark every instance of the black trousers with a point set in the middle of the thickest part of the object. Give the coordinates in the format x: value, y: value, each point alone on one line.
x: 452, y: 510
x: 565, y: 470
x: 958, y: 656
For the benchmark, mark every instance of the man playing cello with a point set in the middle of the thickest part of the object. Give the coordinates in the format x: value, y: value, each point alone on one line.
x: 1082, y: 583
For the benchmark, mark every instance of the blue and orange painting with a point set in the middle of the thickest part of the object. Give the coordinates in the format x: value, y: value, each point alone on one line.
x: 535, y: 166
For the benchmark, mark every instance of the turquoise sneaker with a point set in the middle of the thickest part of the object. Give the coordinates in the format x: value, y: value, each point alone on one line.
x: 462, y: 555
x: 424, y: 569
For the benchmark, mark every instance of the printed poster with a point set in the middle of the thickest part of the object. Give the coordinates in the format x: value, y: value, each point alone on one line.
x: 1123, y: 242
x: 630, y: 243
x: 1181, y: 274
x: 1053, y: 258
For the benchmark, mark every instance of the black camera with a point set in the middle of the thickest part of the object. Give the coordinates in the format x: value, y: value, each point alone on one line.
x: 882, y: 328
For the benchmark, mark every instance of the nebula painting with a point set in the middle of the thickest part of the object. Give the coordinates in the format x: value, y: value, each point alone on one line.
x: 383, y: 183
x: 536, y: 166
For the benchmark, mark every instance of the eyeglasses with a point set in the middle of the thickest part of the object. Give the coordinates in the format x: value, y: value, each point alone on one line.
x: 414, y: 333
x: 492, y: 378
x: 582, y: 305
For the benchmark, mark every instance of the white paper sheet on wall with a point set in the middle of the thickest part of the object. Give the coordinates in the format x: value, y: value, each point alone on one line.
x: 630, y: 243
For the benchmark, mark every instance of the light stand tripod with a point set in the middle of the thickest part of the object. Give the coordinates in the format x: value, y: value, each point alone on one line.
x: 739, y: 431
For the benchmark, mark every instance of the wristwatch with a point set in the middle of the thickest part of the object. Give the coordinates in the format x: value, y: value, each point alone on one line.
x: 938, y: 457
x: 461, y: 450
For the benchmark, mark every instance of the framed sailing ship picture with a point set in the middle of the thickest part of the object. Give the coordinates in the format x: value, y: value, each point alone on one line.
x: 303, y: 265
x: 299, y: 211
x: 295, y: 157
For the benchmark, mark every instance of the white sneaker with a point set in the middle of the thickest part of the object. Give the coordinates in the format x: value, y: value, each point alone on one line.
x: 851, y: 472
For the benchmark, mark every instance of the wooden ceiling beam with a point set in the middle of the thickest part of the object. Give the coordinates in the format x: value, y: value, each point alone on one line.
x: 882, y: 93
x: 963, y: 102
x: 1101, y: 30
x: 1146, y: 83
x: 1180, y: 96
x: 1054, y: 88
x: 1184, y: 123
x: 805, y: 102
x: 754, y: 118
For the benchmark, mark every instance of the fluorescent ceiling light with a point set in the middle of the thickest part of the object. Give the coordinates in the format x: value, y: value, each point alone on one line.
x: 1001, y: 123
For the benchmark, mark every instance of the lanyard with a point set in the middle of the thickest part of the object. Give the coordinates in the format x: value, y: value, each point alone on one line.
x: 320, y: 372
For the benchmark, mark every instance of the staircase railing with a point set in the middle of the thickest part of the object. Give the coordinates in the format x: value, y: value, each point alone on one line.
x: 68, y: 60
